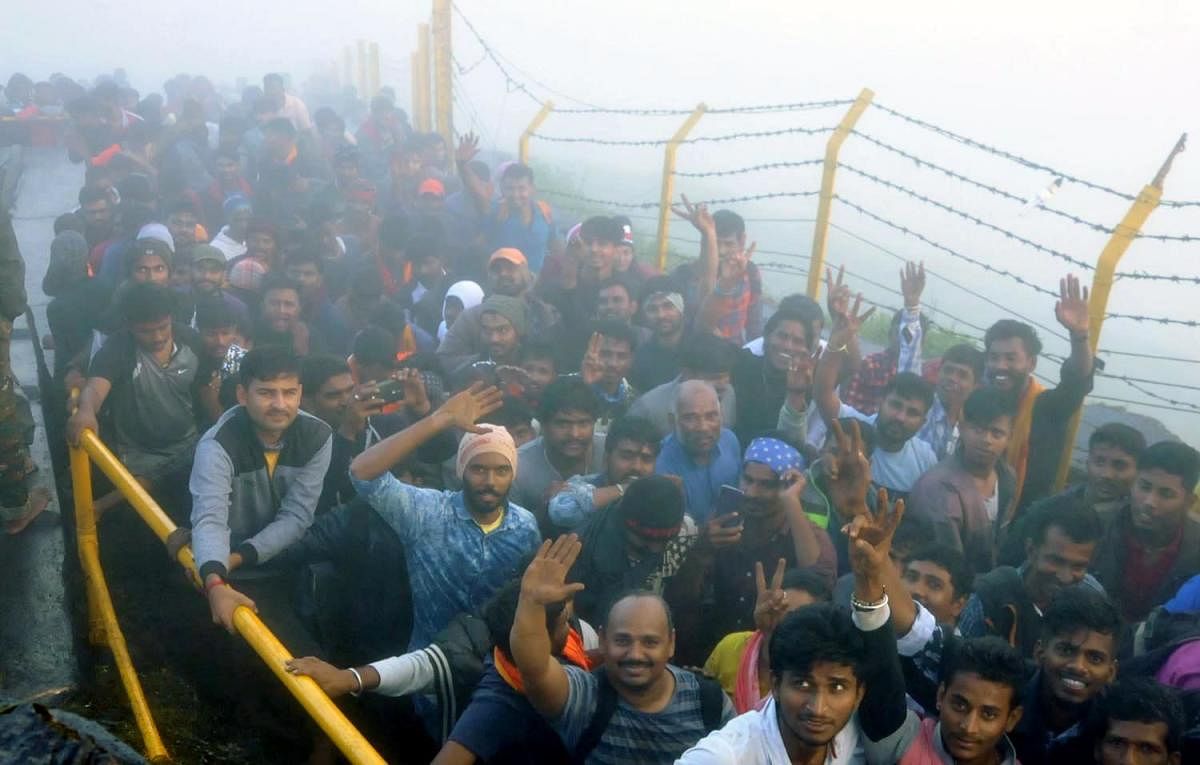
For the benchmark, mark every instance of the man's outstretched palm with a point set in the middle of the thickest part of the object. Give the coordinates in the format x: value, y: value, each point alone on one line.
x: 467, y: 407
x: 544, y: 581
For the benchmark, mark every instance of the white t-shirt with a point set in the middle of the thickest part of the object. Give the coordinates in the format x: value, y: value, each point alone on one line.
x: 896, y: 470
x: 992, y: 504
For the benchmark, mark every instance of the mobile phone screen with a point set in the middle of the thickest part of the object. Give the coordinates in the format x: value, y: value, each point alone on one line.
x: 729, y: 501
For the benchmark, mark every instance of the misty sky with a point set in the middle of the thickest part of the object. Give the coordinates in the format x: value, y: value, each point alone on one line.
x: 1099, y: 89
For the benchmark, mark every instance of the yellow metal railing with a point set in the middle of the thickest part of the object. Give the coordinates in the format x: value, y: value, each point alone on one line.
x: 102, y: 617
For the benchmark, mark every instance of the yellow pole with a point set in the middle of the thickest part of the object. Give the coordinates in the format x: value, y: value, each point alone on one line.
x: 362, y: 70
x: 668, y: 181
x: 324, y: 712
x: 415, y: 108
x: 441, y: 73
x: 373, y: 69
x: 347, y: 67
x: 1102, y: 281
x: 534, y: 124
x: 816, y: 266
x: 424, y: 119
x: 103, y: 627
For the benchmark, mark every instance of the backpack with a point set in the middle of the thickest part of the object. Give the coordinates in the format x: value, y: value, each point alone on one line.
x: 712, y: 704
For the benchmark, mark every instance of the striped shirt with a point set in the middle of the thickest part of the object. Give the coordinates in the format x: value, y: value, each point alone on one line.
x: 633, y: 736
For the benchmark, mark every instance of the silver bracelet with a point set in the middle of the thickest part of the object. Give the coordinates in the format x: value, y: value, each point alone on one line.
x: 357, y: 679
x: 858, y: 605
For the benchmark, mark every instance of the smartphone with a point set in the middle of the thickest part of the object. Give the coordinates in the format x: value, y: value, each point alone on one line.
x: 389, y: 391
x: 729, y: 501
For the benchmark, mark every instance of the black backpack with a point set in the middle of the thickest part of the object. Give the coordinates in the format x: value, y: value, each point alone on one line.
x: 712, y: 704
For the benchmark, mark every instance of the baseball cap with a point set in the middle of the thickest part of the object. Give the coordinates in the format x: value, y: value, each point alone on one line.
x: 511, y: 254
x: 626, y: 229
x: 602, y: 228
x: 432, y: 186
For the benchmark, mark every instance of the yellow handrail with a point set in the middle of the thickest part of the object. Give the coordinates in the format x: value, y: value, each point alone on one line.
x: 324, y: 712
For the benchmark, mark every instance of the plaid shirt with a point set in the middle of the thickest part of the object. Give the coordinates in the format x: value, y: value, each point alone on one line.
x: 864, y: 391
x: 740, y: 316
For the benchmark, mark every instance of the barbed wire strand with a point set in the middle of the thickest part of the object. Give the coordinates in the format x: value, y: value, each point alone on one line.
x: 750, y: 169
x: 925, y: 163
x: 1156, y: 319
x: 653, y: 205
x: 948, y: 250
x: 699, y: 139
x: 1020, y: 160
x: 966, y: 216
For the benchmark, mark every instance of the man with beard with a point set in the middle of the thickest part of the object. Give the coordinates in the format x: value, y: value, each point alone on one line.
x: 1109, y: 472
x: 1009, y: 602
x: 638, y: 707
x: 462, y: 546
x: 569, y: 445
x: 630, y: 449
x: 1040, y: 428
x: 657, y: 360
x: 762, y: 382
x: 575, y: 292
x: 280, y: 322
x: 605, y: 366
x: 966, y: 496
x: 96, y: 207
x: 208, y: 284
x: 1152, y: 545
x: 767, y: 525
x: 899, y: 458
x: 508, y: 274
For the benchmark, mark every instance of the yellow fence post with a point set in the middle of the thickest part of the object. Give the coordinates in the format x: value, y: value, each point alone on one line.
x: 362, y: 70
x: 444, y: 104
x: 347, y: 67
x: 103, y: 628
x: 816, y: 266
x: 668, y: 182
x: 415, y: 109
x: 534, y: 124
x: 323, y: 711
x: 373, y: 81
x: 1102, y: 280
x: 424, y: 119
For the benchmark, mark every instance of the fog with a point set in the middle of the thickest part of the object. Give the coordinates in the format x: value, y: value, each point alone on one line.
x: 1097, y: 89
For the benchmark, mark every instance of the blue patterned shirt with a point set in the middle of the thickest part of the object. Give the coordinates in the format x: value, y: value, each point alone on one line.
x: 453, y: 566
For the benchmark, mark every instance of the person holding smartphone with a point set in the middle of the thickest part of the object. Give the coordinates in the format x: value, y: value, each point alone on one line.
x: 765, y: 523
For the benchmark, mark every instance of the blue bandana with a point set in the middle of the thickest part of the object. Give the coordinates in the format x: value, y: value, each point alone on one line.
x: 775, y: 454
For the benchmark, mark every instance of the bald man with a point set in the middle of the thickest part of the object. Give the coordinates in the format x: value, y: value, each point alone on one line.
x: 663, y: 709
x: 700, y: 451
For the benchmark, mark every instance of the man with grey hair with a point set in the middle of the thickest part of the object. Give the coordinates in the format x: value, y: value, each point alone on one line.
x: 700, y: 451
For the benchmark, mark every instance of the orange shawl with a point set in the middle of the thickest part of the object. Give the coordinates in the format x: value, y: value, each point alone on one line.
x: 1018, y: 444
x: 572, y: 652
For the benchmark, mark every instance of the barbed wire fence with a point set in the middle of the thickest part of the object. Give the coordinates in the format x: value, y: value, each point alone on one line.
x: 873, y: 201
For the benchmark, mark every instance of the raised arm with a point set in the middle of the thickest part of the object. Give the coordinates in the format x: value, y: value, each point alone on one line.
x: 1072, y: 313
x: 544, y: 583
x: 477, y: 188
x: 811, y: 550
x: 825, y: 379
x: 883, y: 711
x: 699, y: 216
x: 461, y: 410
x: 912, y: 284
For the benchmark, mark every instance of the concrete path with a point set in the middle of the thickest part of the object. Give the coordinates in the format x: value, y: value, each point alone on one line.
x: 37, y: 657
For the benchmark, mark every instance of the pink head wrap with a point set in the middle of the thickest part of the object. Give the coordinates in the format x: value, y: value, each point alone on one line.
x: 495, y: 440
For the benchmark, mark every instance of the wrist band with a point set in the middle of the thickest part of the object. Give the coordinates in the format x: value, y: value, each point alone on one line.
x: 357, y: 679
x: 859, y: 605
x: 213, y: 583
x: 620, y: 490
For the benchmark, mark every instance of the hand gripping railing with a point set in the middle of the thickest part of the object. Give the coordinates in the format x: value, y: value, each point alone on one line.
x: 102, y: 617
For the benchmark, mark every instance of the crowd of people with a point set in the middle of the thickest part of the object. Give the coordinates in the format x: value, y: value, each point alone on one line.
x: 514, y: 496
